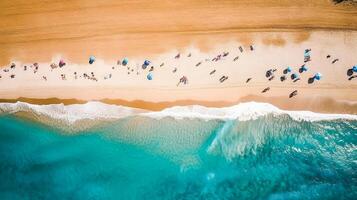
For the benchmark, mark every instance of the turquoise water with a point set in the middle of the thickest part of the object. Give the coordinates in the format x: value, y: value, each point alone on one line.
x: 143, y: 158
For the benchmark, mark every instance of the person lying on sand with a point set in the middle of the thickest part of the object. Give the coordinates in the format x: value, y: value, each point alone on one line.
x: 63, y: 76
x: 13, y: 65
x: 328, y: 56
x: 162, y: 64
x: 198, y: 64
x: 294, y: 93
x: 175, y: 70
x: 44, y: 78
x: 225, y: 54
x: 75, y: 75
x: 12, y: 76
x: 269, y: 72
x: 241, y: 49
x: 352, y: 77
x: 223, y: 78
x: 189, y: 55
x: 236, y: 58
x: 333, y: 62
x: 212, y: 72
x: 248, y: 80
x: 25, y: 68
x: 6, y: 70
x: 151, y: 69
x: 251, y: 48
x: 266, y: 90
x: 177, y: 56
x: 271, y: 78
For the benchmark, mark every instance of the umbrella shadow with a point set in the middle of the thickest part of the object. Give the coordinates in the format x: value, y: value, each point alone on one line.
x: 349, y: 72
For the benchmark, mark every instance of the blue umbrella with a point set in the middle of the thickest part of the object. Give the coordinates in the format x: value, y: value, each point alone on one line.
x: 91, y: 59
x: 146, y: 62
x: 125, y: 61
x: 318, y: 76
x: 294, y: 76
x: 304, y: 68
x: 354, y: 68
x: 306, y: 54
x: 288, y: 69
x: 149, y: 76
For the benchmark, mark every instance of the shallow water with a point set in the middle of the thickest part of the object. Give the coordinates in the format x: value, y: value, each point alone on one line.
x: 137, y: 157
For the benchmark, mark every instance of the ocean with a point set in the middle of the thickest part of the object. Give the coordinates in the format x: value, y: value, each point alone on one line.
x: 248, y: 151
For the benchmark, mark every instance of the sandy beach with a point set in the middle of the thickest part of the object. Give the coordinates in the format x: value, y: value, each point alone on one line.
x: 279, y: 32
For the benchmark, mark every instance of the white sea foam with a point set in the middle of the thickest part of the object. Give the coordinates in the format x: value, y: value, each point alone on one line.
x: 242, y: 112
x: 72, y: 113
x: 98, y: 110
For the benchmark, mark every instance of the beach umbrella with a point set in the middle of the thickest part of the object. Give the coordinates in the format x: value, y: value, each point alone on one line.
x: 288, y: 70
x: 91, y: 59
x: 318, y: 76
x: 125, y: 61
x: 354, y: 68
x: 147, y: 62
x: 304, y: 68
x: 294, y: 76
x: 149, y: 76
x: 61, y: 63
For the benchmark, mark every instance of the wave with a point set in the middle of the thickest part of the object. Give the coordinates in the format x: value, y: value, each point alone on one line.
x: 97, y: 110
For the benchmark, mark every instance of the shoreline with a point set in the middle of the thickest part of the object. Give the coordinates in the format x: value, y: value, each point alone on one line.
x: 318, y: 105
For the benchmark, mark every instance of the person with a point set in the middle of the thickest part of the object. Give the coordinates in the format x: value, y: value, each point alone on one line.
x: 294, y: 93
x: 271, y: 78
x: 189, y: 55
x: 53, y: 66
x: 266, y: 90
x: 251, y: 48
x: 177, y: 56
x: 236, y: 58
x: 151, y: 69
x: 44, y: 78
x: 248, y: 80
x: 12, y: 76
x: 241, y: 49
x: 333, y: 62
x: 198, y: 64
x: 212, y: 72
x: 13, y: 65
x: 352, y: 77
x: 25, y: 68
x: 223, y: 78
x: 175, y: 69
x: 282, y: 78
x: 183, y: 80
x: 162, y: 64
x: 225, y: 54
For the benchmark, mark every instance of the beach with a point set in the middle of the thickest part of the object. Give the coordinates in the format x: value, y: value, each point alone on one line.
x: 188, y: 99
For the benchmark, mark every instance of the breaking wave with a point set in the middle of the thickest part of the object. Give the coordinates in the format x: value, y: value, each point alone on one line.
x: 101, y: 111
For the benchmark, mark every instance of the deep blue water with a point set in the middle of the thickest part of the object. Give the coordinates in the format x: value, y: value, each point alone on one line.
x: 143, y: 158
